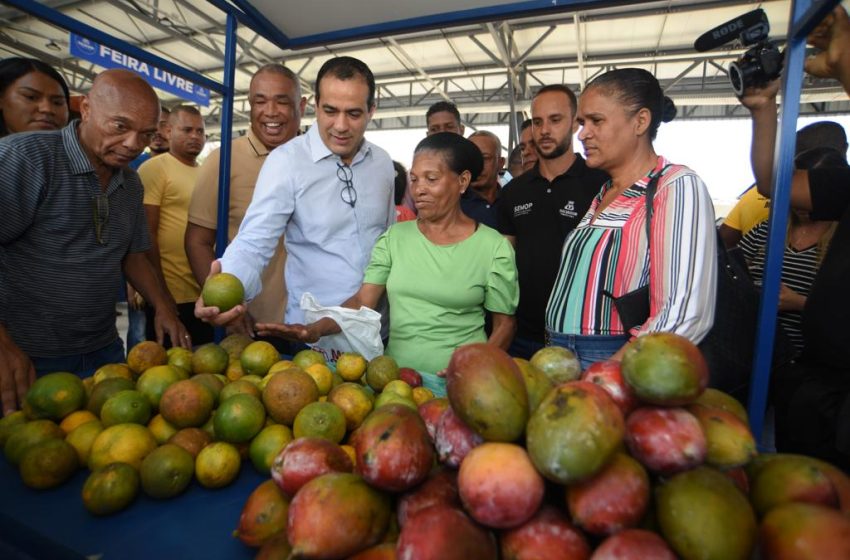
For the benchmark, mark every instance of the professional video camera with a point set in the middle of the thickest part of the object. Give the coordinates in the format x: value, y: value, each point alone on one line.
x: 763, y: 60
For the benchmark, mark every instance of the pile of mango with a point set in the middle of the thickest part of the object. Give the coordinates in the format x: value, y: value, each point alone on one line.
x: 630, y: 460
x: 166, y: 418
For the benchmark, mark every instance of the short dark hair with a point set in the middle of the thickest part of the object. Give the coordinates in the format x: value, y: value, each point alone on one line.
x: 191, y: 109
x: 13, y: 68
x: 525, y: 124
x: 822, y: 134
x: 443, y: 107
x: 561, y: 88
x: 460, y: 153
x: 346, y: 68
x: 636, y: 88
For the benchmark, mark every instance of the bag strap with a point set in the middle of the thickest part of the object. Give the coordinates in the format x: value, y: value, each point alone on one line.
x: 649, y: 200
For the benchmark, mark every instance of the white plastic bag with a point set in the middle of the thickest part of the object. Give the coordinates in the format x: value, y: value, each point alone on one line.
x: 361, y: 329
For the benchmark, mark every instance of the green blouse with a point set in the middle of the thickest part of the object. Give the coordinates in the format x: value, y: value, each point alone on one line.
x: 438, y: 293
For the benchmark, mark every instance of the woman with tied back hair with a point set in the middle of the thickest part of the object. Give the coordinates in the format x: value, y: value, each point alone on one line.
x: 608, y: 255
x: 33, y: 96
x: 440, y: 271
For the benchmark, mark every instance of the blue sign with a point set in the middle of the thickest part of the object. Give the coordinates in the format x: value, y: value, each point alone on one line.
x: 157, y: 77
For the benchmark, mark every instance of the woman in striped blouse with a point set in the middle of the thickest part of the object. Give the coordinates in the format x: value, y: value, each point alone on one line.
x: 608, y: 254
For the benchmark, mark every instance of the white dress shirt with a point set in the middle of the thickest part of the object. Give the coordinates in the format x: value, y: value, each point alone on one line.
x: 328, y: 242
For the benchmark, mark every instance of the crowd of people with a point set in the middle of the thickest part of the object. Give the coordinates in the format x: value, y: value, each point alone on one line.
x: 446, y: 252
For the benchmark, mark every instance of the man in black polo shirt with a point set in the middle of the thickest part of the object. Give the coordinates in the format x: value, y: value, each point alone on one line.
x: 72, y: 220
x: 540, y: 207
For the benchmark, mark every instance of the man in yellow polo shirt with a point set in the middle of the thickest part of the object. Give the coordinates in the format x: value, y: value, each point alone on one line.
x: 276, y: 108
x: 169, y: 181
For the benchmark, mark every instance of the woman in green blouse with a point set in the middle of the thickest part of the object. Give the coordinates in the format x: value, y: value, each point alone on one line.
x: 440, y: 272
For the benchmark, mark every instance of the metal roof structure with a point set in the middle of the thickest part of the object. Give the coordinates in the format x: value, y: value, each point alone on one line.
x: 487, y: 56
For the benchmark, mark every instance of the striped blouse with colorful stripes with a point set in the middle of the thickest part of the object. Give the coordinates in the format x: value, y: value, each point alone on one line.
x: 610, y: 254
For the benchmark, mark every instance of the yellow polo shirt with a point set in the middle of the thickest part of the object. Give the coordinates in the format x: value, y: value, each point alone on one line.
x: 751, y: 210
x: 247, y: 157
x: 168, y: 183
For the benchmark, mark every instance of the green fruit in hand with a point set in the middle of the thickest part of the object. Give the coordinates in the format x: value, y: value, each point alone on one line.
x: 224, y: 291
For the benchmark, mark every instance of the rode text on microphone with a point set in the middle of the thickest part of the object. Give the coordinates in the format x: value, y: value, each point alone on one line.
x: 761, y: 63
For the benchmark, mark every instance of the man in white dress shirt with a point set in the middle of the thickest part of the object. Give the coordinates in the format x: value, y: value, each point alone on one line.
x: 330, y: 191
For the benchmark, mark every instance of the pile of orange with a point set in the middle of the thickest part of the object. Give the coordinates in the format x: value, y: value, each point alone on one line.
x: 165, y: 418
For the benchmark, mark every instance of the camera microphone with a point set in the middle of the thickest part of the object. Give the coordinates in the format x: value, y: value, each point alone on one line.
x: 754, y: 23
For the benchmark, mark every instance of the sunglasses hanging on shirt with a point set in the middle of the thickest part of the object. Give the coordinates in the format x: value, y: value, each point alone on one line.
x: 346, y: 176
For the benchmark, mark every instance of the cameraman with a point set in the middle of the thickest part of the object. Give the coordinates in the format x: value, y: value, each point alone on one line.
x: 812, y: 395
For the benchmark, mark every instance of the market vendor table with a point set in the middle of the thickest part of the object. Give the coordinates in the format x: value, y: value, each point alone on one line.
x: 54, y: 523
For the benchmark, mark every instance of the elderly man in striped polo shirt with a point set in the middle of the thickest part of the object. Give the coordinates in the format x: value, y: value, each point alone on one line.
x: 72, y: 220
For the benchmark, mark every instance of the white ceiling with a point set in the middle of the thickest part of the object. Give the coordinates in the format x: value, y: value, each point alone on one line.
x: 367, y: 17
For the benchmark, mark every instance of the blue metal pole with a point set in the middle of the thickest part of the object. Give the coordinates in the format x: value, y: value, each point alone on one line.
x: 226, y: 128
x: 814, y: 13
x: 58, y: 18
x: 226, y: 142
x: 783, y: 169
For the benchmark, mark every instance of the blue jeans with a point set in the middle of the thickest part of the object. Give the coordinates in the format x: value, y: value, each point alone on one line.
x: 82, y: 365
x: 136, y: 327
x: 588, y: 348
x: 524, y: 347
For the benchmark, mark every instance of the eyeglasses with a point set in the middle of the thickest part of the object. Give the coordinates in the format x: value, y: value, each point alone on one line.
x: 100, y: 209
x: 344, y: 174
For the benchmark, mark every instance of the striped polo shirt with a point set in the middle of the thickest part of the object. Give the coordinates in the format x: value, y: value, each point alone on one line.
x: 609, y: 253
x: 799, y: 269
x: 58, y: 282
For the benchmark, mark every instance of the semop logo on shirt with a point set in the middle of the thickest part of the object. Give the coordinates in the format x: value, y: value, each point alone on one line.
x: 569, y: 210
x: 523, y: 209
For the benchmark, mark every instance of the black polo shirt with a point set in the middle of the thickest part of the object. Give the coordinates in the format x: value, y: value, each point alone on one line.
x: 58, y: 283
x: 540, y: 214
x: 479, y: 209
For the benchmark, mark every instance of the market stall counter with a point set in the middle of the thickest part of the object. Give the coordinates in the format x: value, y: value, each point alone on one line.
x: 54, y: 524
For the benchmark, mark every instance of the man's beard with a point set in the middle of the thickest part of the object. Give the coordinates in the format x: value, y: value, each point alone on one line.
x: 161, y: 148
x: 559, y: 150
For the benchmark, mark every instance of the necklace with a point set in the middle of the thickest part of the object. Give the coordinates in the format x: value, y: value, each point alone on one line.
x: 804, y: 236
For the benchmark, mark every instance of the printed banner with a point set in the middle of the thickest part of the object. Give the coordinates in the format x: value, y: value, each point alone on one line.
x: 157, y: 77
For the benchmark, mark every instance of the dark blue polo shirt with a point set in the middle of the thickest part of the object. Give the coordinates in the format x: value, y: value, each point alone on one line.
x: 58, y: 282
x: 476, y: 207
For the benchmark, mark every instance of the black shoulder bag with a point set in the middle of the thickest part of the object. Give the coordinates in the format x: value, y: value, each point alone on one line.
x: 729, y: 347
